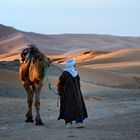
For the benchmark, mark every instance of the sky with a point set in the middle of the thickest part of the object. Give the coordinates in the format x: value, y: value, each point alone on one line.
x: 114, y: 17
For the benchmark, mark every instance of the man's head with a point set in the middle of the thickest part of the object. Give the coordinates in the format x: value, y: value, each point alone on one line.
x: 70, y: 62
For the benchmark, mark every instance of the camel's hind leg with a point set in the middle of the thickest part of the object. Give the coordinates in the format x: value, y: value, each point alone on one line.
x: 37, y: 103
x: 29, y: 101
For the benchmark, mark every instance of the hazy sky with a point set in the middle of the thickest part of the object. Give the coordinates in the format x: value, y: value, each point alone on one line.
x: 117, y: 17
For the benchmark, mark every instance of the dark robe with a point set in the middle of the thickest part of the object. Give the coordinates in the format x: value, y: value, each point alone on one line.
x: 72, y: 104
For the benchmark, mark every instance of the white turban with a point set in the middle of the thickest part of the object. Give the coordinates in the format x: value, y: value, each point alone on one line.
x: 70, y: 62
x: 69, y: 67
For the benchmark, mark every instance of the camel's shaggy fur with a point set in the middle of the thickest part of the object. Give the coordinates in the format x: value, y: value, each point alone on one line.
x: 32, y: 72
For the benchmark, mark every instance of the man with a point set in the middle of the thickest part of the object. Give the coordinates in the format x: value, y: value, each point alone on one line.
x: 72, y: 106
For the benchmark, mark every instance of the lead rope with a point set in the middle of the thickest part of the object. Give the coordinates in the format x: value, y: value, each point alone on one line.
x: 49, y: 86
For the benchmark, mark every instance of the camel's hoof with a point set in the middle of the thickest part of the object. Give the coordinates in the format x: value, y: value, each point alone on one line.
x: 39, y: 123
x: 29, y: 120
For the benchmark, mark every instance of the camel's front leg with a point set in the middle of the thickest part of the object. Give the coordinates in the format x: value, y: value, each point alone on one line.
x: 37, y: 104
x: 30, y: 102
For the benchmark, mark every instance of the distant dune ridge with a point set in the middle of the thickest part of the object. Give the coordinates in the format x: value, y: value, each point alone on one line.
x: 12, y: 41
x: 102, y: 60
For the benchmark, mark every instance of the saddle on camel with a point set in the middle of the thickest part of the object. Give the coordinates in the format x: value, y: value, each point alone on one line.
x: 32, y: 73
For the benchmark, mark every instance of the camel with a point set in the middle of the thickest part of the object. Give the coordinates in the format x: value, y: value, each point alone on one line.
x: 32, y: 72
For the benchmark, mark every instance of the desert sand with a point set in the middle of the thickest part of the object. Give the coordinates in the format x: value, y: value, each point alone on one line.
x: 110, y: 83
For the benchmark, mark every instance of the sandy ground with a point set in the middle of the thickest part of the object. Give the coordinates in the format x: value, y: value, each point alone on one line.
x: 113, y: 112
x: 110, y: 117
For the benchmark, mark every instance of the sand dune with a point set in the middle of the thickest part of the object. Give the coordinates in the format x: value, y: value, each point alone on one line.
x: 103, y: 67
x: 12, y: 41
x: 69, y: 42
x: 123, y: 55
x: 102, y: 77
x: 9, y: 77
x: 12, y: 44
x: 11, y: 57
x: 78, y: 57
x: 130, y: 68
x: 7, y: 32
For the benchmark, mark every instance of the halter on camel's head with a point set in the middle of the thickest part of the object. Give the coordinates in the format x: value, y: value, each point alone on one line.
x: 33, y: 52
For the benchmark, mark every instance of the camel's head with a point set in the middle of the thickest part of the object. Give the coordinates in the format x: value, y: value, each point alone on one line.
x: 28, y: 52
x: 33, y: 52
